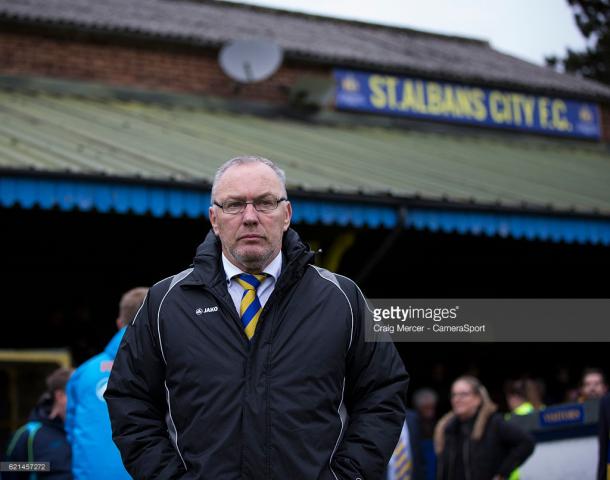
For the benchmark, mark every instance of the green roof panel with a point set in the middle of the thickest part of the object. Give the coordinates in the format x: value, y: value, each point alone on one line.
x: 52, y: 133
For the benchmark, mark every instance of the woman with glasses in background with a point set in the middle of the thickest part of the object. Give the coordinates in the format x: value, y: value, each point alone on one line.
x: 473, y: 441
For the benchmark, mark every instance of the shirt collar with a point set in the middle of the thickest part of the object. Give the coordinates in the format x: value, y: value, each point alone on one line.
x: 273, y: 269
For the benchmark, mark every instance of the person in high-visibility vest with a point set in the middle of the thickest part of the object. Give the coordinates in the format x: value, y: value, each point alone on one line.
x: 522, y: 398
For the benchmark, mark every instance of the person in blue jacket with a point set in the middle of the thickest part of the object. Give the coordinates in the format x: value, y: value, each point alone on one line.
x: 407, y: 461
x: 87, y: 422
x: 43, y: 438
x: 603, y: 469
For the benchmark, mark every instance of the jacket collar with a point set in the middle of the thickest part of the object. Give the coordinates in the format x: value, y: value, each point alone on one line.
x: 208, y: 268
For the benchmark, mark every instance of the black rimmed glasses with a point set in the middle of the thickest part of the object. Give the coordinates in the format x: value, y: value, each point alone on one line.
x: 264, y: 205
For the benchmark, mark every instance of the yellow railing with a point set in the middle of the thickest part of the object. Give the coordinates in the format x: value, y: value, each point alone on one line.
x: 11, y: 362
x: 61, y: 357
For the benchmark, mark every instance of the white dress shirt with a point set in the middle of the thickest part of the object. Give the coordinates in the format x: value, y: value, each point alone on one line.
x: 265, y: 289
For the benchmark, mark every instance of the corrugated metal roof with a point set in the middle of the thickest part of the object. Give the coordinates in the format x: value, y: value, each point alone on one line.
x: 48, y: 133
x: 327, y: 40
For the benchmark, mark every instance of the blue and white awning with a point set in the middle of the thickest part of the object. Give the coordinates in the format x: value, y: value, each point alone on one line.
x: 156, y: 200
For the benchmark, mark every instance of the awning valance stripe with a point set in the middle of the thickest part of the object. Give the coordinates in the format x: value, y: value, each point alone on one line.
x: 159, y: 200
x: 520, y: 226
x: 141, y: 199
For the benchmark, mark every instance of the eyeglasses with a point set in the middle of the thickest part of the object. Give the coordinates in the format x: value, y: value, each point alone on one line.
x: 461, y: 394
x: 264, y: 205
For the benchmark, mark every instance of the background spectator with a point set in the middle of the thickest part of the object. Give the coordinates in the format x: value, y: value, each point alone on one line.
x: 87, y: 422
x: 593, y: 384
x: 425, y: 401
x: 603, y: 469
x: 43, y: 438
x: 496, y: 447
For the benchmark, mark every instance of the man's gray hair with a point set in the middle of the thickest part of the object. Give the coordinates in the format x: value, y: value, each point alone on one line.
x: 243, y: 160
x: 424, y: 395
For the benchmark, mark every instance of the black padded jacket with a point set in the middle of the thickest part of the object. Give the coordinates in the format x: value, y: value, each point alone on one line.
x: 190, y: 397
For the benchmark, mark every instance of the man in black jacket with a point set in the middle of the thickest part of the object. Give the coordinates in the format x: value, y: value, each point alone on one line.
x: 255, y: 357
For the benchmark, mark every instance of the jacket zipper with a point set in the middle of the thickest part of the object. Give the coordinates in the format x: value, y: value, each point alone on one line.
x: 466, y: 452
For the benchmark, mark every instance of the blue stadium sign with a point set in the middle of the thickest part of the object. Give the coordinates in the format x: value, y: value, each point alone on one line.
x: 450, y: 102
x: 563, y: 415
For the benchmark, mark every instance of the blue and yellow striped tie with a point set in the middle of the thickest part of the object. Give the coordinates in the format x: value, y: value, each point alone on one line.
x: 402, y: 464
x: 250, y: 308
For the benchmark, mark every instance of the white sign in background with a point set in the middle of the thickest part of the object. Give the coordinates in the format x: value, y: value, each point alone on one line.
x: 570, y: 459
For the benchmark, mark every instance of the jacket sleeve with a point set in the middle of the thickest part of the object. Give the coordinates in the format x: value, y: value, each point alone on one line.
x: 518, y: 443
x: 136, y: 401
x: 71, y: 393
x: 375, y: 397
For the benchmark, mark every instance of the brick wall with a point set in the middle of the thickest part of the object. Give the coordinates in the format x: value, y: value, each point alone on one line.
x: 188, y: 69
x: 151, y: 65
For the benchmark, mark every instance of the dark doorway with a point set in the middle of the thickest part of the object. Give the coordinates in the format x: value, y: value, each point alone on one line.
x: 64, y: 272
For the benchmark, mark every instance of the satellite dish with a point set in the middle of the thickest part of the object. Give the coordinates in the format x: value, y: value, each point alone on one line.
x: 250, y: 60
